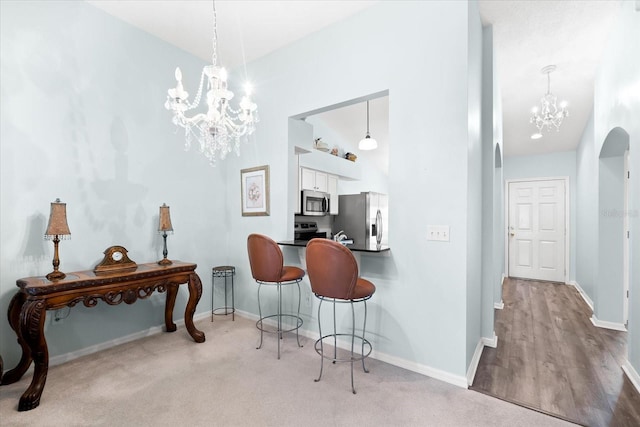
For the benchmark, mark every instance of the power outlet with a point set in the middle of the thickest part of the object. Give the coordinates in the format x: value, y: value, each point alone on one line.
x: 439, y: 233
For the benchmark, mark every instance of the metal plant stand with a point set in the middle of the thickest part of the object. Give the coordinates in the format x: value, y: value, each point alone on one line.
x: 224, y: 271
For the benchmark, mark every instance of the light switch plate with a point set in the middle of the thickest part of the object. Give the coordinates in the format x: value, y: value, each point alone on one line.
x: 438, y: 233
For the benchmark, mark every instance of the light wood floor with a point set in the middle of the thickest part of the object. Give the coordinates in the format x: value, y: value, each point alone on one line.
x: 551, y: 358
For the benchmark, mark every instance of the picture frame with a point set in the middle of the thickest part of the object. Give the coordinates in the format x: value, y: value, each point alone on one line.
x: 254, y: 187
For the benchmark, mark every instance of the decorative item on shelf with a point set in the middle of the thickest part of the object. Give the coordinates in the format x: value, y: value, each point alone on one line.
x: 164, y: 225
x: 367, y: 143
x: 115, y: 260
x: 321, y: 145
x: 550, y: 115
x: 350, y: 156
x: 57, y: 228
x: 221, y: 128
x: 334, y: 151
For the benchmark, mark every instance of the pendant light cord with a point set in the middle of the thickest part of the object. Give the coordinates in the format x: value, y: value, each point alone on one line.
x: 367, y: 117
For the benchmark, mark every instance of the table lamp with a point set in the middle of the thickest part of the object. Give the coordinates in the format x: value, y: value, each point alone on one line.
x: 164, y: 226
x: 57, y: 227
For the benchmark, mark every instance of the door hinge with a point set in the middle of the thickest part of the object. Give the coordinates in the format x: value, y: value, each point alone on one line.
x: 627, y: 293
x: 628, y: 174
x: 628, y: 236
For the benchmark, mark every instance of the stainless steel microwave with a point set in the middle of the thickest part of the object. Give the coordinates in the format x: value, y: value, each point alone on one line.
x: 315, y: 203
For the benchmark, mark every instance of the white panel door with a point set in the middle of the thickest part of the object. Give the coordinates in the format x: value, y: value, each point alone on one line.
x: 537, y: 230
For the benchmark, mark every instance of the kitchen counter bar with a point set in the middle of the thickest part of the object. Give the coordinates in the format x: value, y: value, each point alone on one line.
x: 353, y: 247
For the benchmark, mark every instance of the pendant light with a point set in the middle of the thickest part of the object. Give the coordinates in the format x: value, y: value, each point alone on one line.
x: 368, y: 143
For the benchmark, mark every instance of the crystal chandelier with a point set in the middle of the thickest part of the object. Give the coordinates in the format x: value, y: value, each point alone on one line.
x: 221, y: 128
x: 550, y: 115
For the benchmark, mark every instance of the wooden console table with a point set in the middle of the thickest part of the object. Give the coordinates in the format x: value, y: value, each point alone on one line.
x: 28, y: 307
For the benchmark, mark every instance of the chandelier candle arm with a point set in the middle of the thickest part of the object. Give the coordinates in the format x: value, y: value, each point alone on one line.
x: 221, y: 128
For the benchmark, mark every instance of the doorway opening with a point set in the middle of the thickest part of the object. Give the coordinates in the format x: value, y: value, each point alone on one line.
x: 611, y: 302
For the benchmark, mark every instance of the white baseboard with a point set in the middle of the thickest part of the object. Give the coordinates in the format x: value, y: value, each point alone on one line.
x: 63, y: 358
x: 582, y: 293
x: 490, y: 342
x: 500, y: 305
x: 457, y: 380
x: 607, y: 325
x: 632, y: 374
x: 475, y: 360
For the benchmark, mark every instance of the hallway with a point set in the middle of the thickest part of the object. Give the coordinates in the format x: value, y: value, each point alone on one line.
x: 552, y: 359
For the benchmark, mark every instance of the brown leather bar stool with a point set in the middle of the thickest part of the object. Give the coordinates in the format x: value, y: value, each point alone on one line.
x: 267, y: 268
x: 333, y: 273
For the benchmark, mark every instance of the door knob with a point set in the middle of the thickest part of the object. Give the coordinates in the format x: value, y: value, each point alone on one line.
x: 512, y: 233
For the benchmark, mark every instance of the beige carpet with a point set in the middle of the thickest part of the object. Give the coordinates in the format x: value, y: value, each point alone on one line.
x: 168, y: 380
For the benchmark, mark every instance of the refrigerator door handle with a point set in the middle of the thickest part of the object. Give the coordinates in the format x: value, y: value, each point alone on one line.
x: 379, y: 229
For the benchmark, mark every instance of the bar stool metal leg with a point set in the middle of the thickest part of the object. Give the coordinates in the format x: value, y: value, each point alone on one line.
x: 260, y: 318
x: 319, y: 344
x: 279, y: 316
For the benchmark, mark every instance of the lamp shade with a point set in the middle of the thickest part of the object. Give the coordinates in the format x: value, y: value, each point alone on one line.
x: 165, y: 219
x: 57, y: 220
x: 367, y: 143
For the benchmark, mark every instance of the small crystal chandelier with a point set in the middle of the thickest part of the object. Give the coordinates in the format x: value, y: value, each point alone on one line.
x: 221, y: 127
x: 550, y: 115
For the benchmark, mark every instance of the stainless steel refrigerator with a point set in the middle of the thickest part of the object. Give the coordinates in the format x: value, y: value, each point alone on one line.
x: 364, y: 218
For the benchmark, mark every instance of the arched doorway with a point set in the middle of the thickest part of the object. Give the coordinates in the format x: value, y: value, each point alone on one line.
x: 611, y: 289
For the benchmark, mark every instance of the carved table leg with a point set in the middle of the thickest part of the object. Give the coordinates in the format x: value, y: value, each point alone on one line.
x: 195, y: 292
x: 172, y: 292
x: 15, y: 306
x: 32, y: 328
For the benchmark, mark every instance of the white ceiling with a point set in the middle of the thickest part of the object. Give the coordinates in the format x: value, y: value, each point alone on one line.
x: 528, y: 35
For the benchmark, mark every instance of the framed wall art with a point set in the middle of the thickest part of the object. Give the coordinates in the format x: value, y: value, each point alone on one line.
x: 255, y: 191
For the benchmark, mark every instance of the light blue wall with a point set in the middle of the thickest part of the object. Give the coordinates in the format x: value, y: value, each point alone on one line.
x: 82, y: 99
x: 617, y: 104
x: 609, y: 298
x: 550, y: 165
x: 418, y: 316
x: 586, y: 213
x: 492, y: 188
x: 475, y: 303
x: 83, y: 120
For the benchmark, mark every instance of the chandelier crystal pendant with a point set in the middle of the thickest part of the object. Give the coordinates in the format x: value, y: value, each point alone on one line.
x: 549, y: 116
x: 221, y: 128
x: 368, y: 143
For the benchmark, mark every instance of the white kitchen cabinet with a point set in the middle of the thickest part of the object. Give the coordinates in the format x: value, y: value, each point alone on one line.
x: 332, y: 187
x: 313, y: 180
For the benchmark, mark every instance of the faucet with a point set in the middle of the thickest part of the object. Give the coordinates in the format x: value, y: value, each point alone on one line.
x: 339, y: 236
